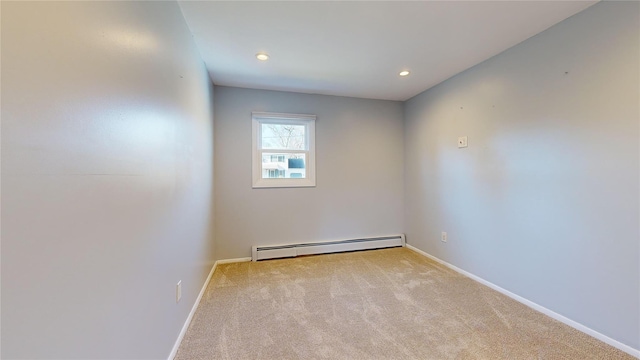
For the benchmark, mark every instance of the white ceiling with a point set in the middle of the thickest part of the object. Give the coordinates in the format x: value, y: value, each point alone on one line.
x: 358, y: 48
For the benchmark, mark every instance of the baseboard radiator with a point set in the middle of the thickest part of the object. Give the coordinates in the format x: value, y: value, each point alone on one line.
x: 325, y: 247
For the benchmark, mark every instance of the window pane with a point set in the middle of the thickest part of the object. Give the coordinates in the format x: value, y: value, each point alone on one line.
x: 283, y: 136
x: 288, y: 166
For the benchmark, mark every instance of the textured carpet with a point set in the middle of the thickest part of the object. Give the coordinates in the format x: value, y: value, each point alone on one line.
x: 380, y: 304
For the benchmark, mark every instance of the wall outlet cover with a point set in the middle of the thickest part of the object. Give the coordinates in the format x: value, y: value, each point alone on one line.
x: 462, y: 142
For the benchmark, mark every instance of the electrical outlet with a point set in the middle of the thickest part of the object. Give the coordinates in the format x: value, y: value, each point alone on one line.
x: 462, y: 142
x: 178, y: 291
x: 443, y: 237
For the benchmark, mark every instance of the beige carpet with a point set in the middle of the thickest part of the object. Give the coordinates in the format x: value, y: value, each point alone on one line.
x: 380, y: 304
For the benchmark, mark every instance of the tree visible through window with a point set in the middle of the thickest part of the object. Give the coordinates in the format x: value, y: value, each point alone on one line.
x: 284, y: 152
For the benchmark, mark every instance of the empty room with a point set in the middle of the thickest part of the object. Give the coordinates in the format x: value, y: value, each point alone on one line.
x: 320, y: 180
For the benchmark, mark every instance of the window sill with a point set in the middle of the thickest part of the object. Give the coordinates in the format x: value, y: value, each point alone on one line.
x: 283, y: 183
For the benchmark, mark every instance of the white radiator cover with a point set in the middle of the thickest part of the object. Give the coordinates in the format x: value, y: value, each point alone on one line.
x: 325, y: 247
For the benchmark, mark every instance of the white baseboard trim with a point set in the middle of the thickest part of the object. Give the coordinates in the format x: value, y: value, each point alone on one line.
x: 576, y: 325
x: 236, y: 260
x: 185, y: 327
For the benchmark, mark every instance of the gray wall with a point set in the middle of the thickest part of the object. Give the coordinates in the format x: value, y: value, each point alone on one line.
x: 359, y: 169
x: 107, y: 174
x: 107, y: 169
x: 544, y: 201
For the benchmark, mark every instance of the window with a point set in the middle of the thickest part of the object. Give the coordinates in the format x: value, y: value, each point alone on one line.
x: 277, y: 158
x: 274, y: 174
x: 283, y: 150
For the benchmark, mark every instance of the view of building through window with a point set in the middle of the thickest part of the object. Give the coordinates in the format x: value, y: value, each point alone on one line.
x: 283, y: 137
x: 283, y: 165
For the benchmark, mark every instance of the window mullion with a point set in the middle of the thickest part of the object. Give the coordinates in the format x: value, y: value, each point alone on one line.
x: 282, y: 151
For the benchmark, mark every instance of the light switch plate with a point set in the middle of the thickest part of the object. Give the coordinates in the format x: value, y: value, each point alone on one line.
x: 462, y: 142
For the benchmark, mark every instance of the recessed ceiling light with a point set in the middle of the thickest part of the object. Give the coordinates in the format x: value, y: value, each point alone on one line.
x: 262, y: 56
x: 404, y: 73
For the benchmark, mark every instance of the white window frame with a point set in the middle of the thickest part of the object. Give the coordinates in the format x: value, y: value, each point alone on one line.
x: 309, y: 122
